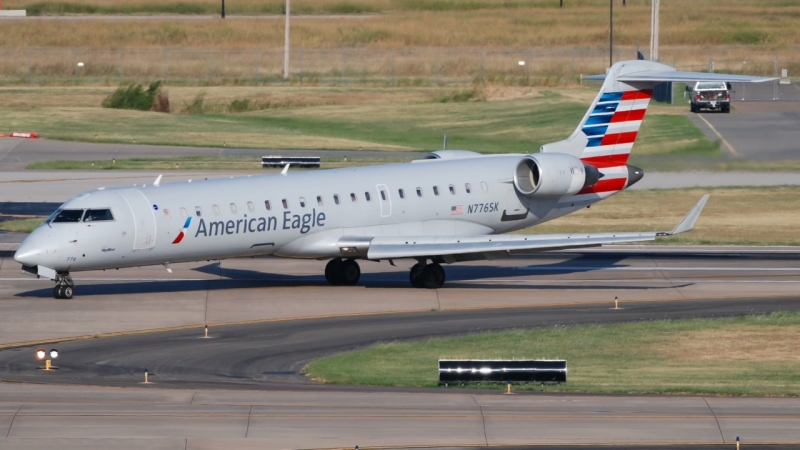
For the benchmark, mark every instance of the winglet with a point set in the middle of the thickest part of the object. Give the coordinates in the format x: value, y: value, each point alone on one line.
x: 285, y: 169
x: 158, y: 181
x: 687, y: 224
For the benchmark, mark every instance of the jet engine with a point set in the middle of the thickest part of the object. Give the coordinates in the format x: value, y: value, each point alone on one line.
x: 553, y: 175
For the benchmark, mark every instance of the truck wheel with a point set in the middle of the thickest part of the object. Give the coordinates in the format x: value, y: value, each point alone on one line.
x: 693, y: 108
x: 726, y: 109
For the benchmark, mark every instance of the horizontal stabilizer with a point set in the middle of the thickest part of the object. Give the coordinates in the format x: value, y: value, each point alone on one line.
x: 685, y: 77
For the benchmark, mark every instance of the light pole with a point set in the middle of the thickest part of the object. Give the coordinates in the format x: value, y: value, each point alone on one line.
x: 286, y: 44
x: 223, y: 9
x: 611, y: 33
x: 654, y: 30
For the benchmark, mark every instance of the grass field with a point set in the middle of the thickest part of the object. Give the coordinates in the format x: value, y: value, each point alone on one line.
x: 495, y: 119
x: 413, y: 23
x: 737, y: 216
x: 748, y: 355
x: 21, y: 225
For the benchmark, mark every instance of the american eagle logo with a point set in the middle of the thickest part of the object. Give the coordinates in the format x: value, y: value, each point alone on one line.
x: 180, y: 236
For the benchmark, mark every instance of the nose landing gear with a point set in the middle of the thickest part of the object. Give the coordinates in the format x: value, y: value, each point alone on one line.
x: 428, y: 276
x: 65, y: 287
x: 340, y: 272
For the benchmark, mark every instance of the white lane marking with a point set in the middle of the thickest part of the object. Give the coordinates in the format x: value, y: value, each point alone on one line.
x: 661, y: 269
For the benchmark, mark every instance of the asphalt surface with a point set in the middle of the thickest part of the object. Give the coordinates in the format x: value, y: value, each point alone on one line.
x: 759, y: 131
x: 17, y: 153
x: 270, y: 355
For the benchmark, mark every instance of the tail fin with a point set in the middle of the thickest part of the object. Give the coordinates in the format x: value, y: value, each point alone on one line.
x: 605, y: 136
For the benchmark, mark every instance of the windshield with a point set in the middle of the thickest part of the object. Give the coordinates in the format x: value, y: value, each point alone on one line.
x: 95, y: 215
x: 68, y: 215
x: 711, y: 85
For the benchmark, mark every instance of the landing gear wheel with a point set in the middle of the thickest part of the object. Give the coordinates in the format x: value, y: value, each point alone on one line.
x: 57, y: 291
x: 66, y: 292
x: 349, y: 273
x: 342, y: 273
x: 432, y: 276
x: 415, y: 276
x: 332, y: 271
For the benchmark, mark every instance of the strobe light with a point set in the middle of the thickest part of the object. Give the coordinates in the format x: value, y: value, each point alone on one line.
x: 53, y: 354
x: 40, y: 354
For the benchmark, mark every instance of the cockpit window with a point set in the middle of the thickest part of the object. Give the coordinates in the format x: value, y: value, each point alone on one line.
x: 68, y: 215
x: 96, y: 215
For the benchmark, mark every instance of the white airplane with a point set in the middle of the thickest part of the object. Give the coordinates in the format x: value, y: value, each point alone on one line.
x: 449, y: 207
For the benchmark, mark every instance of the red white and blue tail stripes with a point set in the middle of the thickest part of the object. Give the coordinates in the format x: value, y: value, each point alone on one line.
x: 180, y: 236
x: 611, y: 129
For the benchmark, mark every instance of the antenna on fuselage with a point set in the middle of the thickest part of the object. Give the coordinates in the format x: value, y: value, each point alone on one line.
x: 158, y: 180
x: 285, y: 169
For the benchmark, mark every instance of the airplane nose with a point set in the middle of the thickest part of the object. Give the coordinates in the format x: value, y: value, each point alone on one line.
x: 28, y: 253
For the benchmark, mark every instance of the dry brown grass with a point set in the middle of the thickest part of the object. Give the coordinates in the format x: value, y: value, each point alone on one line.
x: 766, y: 24
x: 768, y: 216
x: 745, y: 343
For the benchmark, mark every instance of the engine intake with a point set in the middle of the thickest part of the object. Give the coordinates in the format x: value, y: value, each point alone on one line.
x: 553, y: 175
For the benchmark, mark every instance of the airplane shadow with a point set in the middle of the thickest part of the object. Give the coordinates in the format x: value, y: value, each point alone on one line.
x: 457, y: 277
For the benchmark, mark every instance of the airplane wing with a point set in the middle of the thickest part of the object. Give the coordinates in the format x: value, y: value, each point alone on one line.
x: 464, y: 248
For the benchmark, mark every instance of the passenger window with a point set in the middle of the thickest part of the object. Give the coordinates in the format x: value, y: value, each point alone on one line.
x: 402, y: 193
x: 69, y: 215
x: 383, y: 195
x: 336, y: 198
x: 419, y: 192
x: 319, y: 201
x: 285, y: 204
x: 353, y: 197
x: 166, y: 214
x: 234, y: 209
x: 198, y: 211
x: 184, y: 214
x: 251, y: 207
x: 267, y: 205
x: 302, y: 202
x: 216, y: 210
x: 484, y: 186
x: 467, y: 188
x: 97, y: 215
x: 366, y: 195
x: 452, y: 190
x: 436, y: 190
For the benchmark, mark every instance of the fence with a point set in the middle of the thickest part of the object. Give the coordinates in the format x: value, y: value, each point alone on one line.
x: 345, y: 66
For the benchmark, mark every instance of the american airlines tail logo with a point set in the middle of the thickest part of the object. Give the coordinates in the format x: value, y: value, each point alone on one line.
x: 180, y: 236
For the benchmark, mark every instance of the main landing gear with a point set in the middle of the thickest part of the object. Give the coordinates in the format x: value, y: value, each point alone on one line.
x: 65, y: 287
x: 340, y: 272
x: 428, y: 276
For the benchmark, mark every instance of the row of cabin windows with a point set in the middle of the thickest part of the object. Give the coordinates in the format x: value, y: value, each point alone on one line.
x: 353, y: 198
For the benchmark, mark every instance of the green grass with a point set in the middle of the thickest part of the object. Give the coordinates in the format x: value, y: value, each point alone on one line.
x: 748, y: 355
x: 517, y: 125
x: 21, y: 225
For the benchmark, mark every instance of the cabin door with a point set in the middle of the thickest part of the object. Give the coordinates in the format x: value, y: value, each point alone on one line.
x: 144, y: 219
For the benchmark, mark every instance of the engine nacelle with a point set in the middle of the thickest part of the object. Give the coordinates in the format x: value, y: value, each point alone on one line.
x: 553, y: 175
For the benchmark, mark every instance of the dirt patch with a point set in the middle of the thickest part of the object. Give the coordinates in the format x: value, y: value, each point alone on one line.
x: 779, y: 343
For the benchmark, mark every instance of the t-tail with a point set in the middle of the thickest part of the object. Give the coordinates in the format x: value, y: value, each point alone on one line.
x: 606, y: 134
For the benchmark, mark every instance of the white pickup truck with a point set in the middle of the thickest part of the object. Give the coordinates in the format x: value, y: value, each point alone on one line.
x: 711, y: 95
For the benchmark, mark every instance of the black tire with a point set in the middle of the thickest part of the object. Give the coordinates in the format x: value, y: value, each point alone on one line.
x: 693, y: 108
x: 66, y: 292
x: 726, y: 109
x: 333, y: 271
x: 415, y: 275
x: 57, y: 291
x: 349, y: 272
x: 433, y: 276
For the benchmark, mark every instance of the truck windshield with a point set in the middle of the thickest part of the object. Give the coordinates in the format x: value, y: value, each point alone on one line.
x: 711, y: 85
x: 68, y: 215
